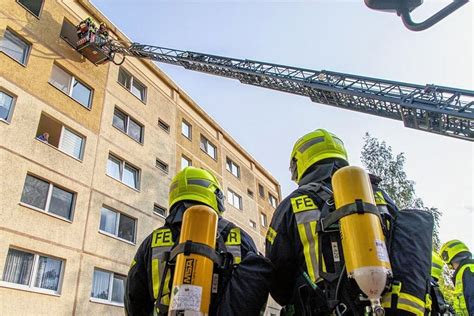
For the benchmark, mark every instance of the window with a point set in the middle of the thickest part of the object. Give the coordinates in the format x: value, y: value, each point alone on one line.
x: 123, y: 171
x: 34, y: 6
x: 252, y: 224
x: 261, y: 191
x: 186, y: 129
x: 163, y: 125
x: 48, y: 197
x: 250, y: 193
x: 234, y: 199
x: 272, y: 200
x: 163, y: 166
x: 6, y: 106
x: 128, y: 125
x: 69, y: 33
x: 233, y: 167
x: 132, y: 84
x: 117, y: 224
x: 15, y: 47
x: 208, y: 147
x: 60, y: 136
x: 263, y: 219
x: 30, y: 270
x: 71, y: 86
x: 185, y: 162
x: 108, y: 286
x: 159, y: 210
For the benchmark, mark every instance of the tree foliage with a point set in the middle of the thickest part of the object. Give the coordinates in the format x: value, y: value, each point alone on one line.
x: 379, y: 159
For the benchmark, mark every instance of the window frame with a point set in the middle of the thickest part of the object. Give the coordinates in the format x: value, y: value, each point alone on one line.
x: 40, y: 11
x: 72, y: 80
x: 164, y: 126
x: 206, y: 145
x: 263, y: 219
x: 51, y: 185
x: 12, y: 106
x: 252, y: 224
x: 127, y: 125
x: 270, y: 198
x: 132, y: 79
x: 234, y: 195
x: 159, y: 163
x: 17, y: 36
x: 123, y: 164
x: 250, y: 193
x: 117, y: 225
x: 230, y: 165
x: 33, y: 274
x: 155, y: 206
x: 111, y: 284
x: 190, y: 161
x: 261, y: 191
x: 190, y: 128
x: 83, y: 144
x: 61, y: 137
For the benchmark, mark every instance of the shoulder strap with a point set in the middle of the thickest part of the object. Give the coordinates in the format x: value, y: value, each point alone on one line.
x: 224, y: 227
x: 190, y: 247
x: 232, y: 240
x: 161, y: 244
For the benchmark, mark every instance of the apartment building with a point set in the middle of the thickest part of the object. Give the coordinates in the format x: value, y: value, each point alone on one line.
x: 87, y: 154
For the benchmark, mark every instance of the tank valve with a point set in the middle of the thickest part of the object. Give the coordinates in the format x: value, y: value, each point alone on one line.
x: 377, y: 309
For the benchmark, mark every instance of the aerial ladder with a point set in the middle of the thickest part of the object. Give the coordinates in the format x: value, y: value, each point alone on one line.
x: 431, y: 108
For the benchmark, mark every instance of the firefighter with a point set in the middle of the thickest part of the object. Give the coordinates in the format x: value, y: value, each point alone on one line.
x: 103, y: 31
x: 85, y: 27
x: 458, y: 257
x: 242, y: 284
x: 439, y: 305
x: 304, y: 283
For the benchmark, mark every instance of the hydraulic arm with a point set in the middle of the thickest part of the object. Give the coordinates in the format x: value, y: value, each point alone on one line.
x: 436, y: 109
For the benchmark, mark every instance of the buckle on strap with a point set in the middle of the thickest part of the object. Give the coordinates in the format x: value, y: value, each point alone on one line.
x: 396, y: 289
x: 359, y: 207
x: 189, y: 247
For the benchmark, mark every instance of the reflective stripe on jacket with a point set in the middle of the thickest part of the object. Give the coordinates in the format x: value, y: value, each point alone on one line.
x: 459, y: 302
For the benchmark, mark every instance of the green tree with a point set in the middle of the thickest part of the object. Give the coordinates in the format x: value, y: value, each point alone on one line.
x: 379, y: 159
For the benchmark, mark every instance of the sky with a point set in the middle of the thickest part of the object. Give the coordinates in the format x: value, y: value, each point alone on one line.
x: 342, y: 36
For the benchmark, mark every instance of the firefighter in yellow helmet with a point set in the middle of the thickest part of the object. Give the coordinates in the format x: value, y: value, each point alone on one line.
x: 309, y: 276
x: 439, y: 306
x: 457, y: 255
x: 243, y: 281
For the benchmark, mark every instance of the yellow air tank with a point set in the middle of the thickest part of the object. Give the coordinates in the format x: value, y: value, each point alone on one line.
x: 363, y: 242
x: 192, y: 282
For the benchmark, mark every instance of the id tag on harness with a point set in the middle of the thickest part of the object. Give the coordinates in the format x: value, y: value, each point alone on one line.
x: 215, y: 283
x: 335, y: 251
x: 186, y: 297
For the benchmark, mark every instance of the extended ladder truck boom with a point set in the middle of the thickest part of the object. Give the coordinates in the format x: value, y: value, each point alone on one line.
x: 431, y: 108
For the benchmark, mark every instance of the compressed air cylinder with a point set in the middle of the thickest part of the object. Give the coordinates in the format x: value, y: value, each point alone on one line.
x: 363, y: 242
x: 192, y: 282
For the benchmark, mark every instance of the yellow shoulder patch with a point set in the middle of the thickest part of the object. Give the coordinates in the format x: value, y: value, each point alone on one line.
x: 234, y: 238
x: 302, y: 203
x: 379, y: 199
x: 271, y: 234
x: 162, y: 237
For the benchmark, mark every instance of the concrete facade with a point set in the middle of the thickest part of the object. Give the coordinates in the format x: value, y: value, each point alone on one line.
x: 38, y: 105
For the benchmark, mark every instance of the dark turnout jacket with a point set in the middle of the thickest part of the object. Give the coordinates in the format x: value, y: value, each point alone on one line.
x: 242, y: 289
x: 285, y: 248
